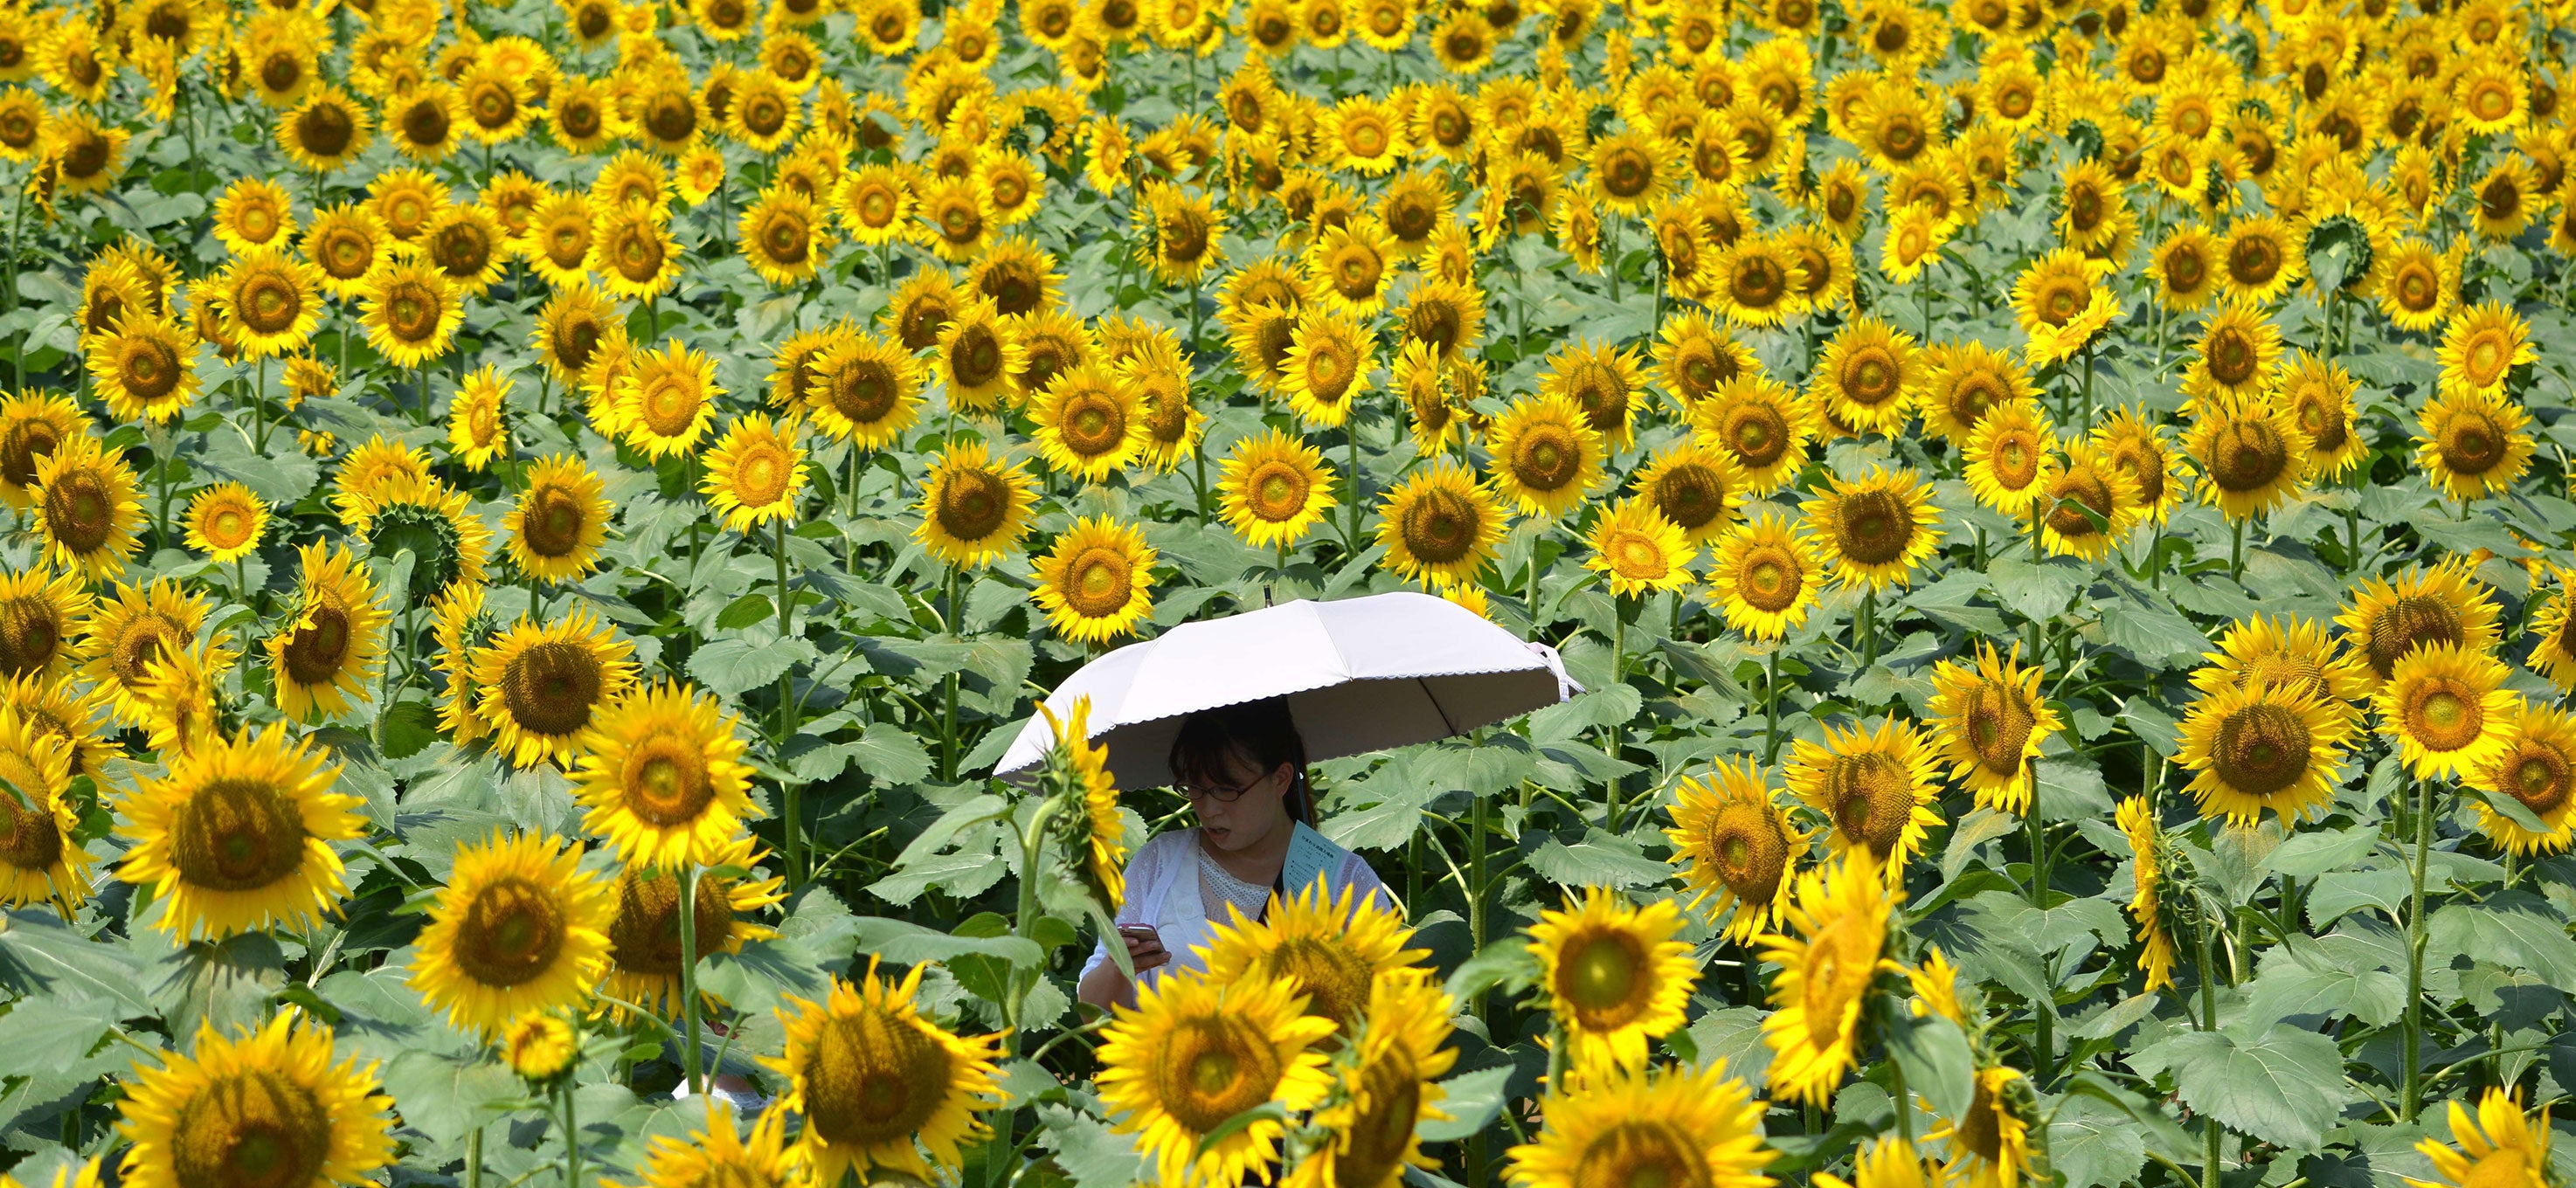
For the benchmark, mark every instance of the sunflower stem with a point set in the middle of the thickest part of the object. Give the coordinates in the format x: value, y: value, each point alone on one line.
x: 2414, y: 1021
x: 688, y: 876
x: 2236, y: 553
x: 2043, y: 1015
x: 571, y: 1137
x: 2087, y: 423
x: 948, y: 685
x: 1351, y: 451
x: 2209, y: 1168
x: 1618, y: 676
x: 259, y: 405
x: 793, y: 825
x: 1869, y: 628
x: 1771, y: 705
x: 474, y: 1158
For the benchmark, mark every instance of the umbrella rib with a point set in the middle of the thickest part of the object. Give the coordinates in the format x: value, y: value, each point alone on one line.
x: 1445, y: 723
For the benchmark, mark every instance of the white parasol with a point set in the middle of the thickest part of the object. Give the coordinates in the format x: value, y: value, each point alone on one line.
x: 1360, y: 675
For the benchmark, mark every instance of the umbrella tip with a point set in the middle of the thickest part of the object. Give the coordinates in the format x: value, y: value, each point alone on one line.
x: 1265, y: 595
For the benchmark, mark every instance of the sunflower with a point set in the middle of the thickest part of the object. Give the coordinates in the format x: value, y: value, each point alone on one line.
x: 2062, y: 305
x: 127, y: 633
x: 2319, y: 395
x: 477, y: 432
x: 86, y: 508
x: 978, y: 352
x: 1274, y: 489
x: 2009, y: 457
x: 469, y: 248
x: 560, y: 521
x: 41, y: 859
x: 1875, y: 529
x: 448, y: 543
x: 1328, y: 947
x: 1103, y: 843
x: 254, y: 213
x: 1990, y: 1143
x: 2481, y: 347
x: 31, y: 426
x: 667, y: 400
x: 1637, y: 550
x: 2497, y: 1146
x: 721, y: 1154
x: 1545, y: 455
x: 2420, y: 285
x: 2472, y: 444
x: 1693, y: 486
x: 2262, y: 746
x: 85, y: 156
x: 1735, y: 844
x: 342, y: 243
x: 42, y: 617
x: 412, y: 312
x: 1601, y: 380
x: 539, y: 1046
x: 145, y: 368
x: 1876, y: 785
x: 1374, y: 1115
x: 632, y: 250
x: 1764, y: 576
x: 864, y: 390
x: 1695, y: 358
x: 558, y: 245
x: 662, y: 779
x: 2536, y: 766
x: 1765, y: 426
x: 1089, y: 424
x: 756, y: 472
x: 2137, y: 820
x: 519, y: 927
x: 334, y: 639
x: 1194, y: 1053
x: 1991, y: 720
x: 1757, y: 283
x: 2252, y: 455
x: 268, y: 1106
x: 2185, y: 268
x: 2424, y: 608
x: 973, y: 508
x: 538, y: 688
x: 2089, y: 504
x: 1439, y: 525
x: 2259, y: 262
x: 1868, y: 376
x: 2236, y: 354
x: 1326, y: 366
x: 236, y: 836
x: 877, y: 1084
x: 1160, y: 377
x: 1097, y: 581
x: 1829, y: 954
x: 2448, y: 710
x: 1615, y: 976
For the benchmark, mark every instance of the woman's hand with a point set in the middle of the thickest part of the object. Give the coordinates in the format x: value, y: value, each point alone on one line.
x: 1144, y: 946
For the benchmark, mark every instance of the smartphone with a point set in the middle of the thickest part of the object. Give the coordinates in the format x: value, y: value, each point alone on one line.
x: 1139, y: 931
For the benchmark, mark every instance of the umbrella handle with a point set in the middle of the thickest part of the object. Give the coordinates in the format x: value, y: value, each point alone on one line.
x: 1566, y: 686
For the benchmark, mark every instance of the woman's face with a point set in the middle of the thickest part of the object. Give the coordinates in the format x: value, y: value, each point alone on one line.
x: 1246, y: 820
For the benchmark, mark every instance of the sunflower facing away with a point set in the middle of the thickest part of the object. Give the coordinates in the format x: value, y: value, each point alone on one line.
x: 1990, y: 1143
x: 1104, y: 833
x: 1274, y: 489
x: 1647, y: 1126
x: 237, y: 835
x: 662, y: 777
x: 1829, y: 956
x: 270, y: 1106
x: 538, y: 687
x: 1876, y: 785
x: 1097, y: 581
x: 878, y: 1085
x: 331, y: 645
x: 519, y: 927
x: 1991, y: 720
x: 1194, y: 1053
x: 1330, y: 948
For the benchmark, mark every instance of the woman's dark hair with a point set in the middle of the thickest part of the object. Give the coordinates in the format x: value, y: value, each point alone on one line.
x: 1258, y: 734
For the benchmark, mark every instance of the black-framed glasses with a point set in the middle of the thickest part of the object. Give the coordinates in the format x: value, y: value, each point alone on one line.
x: 1224, y: 793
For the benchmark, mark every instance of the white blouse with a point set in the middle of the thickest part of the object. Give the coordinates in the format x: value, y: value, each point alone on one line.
x: 1164, y: 890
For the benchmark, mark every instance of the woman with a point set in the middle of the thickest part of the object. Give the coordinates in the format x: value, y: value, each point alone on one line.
x: 1244, y: 769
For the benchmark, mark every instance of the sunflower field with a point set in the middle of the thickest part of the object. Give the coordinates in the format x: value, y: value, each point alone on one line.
x: 2060, y: 509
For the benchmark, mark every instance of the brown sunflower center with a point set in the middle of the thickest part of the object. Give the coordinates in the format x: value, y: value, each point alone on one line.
x: 2261, y: 749
x: 1439, y: 527
x: 1752, y: 855
x: 236, y: 835
x: 318, y: 652
x: 1100, y: 582
x: 511, y: 931
x: 1770, y: 579
x: 973, y: 504
x: 644, y: 937
x: 1607, y: 975
x: 1873, y: 527
x: 2247, y: 455
x: 1546, y: 458
x: 1690, y: 495
x: 552, y: 523
x: 30, y: 839
x: 254, y: 1128
x: 1872, y: 799
x: 1648, y: 1154
x: 2444, y: 715
x: 80, y: 511
x: 551, y: 688
x: 2539, y: 776
x: 1214, y: 1068
x: 149, y: 368
x: 1998, y: 721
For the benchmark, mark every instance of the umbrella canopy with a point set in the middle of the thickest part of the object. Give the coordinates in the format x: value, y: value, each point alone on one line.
x: 1360, y: 675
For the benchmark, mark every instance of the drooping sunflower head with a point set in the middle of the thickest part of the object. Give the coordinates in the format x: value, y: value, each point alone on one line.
x: 1875, y: 529
x: 538, y: 687
x: 236, y: 835
x: 431, y: 521
x: 519, y: 927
